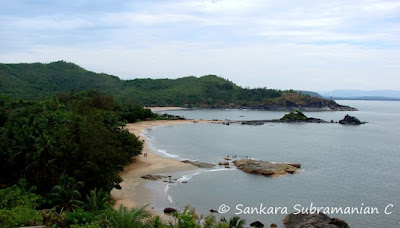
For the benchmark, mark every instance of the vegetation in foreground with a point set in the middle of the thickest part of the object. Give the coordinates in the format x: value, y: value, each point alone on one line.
x: 60, y: 158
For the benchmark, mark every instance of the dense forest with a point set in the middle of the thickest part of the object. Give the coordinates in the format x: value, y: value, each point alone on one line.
x: 60, y: 157
x: 37, y: 80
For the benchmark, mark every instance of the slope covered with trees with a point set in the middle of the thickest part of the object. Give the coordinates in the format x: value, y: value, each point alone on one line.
x: 33, y: 81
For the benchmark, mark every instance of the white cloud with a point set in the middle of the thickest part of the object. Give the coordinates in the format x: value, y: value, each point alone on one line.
x: 310, y: 44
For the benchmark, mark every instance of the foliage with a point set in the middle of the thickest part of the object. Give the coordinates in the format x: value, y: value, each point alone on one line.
x: 187, y: 218
x: 66, y: 195
x: 97, y: 200
x: 80, y: 137
x: 19, y: 196
x: 129, y: 218
x: 19, y: 216
x: 234, y: 222
x: 17, y: 206
x: 78, y: 217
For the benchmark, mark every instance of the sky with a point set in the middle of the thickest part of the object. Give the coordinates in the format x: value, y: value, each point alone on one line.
x: 313, y: 45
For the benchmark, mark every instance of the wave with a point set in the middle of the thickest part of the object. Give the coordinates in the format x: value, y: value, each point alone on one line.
x: 187, y: 177
x: 164, y: 152
x: 150, y: 141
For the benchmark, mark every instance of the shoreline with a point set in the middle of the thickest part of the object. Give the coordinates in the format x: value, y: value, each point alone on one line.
x: 134, y: 192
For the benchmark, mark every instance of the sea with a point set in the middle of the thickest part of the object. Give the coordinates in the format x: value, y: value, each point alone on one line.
x: 351, y: 172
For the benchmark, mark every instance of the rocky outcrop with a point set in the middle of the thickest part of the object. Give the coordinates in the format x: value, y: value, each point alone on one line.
x: 223, y: 163
x: 265, y: 168
x: 298, y: 117
x: 153, y: 177
x: 350, y: 120
x: 256, y: 224
x: 313, y: 220
x: 199, y: 164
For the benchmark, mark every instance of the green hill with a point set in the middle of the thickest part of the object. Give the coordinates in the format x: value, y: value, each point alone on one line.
x: 37, y: 80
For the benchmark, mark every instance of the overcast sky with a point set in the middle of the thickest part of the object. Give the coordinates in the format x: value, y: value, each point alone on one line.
x: 309, y: 44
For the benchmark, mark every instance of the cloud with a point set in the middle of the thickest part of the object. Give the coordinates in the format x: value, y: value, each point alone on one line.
x: 278, y: 44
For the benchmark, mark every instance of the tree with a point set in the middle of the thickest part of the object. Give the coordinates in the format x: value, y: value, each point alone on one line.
x: 66, y: 195
x: 129, y: 218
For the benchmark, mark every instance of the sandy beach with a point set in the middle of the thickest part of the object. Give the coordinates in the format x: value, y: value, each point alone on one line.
x: 134, y: 192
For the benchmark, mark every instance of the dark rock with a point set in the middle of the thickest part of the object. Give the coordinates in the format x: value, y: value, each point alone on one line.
x: 169, y: 210
x: 265, y: 168
x: 313, y: 220
x: 338, y: 222
x: 117, y: 186
x: 199, y: 164
x: 273, y: 225
x: 256, y: 224
x: 297, y: 165
x: 153, y: 177
x: 350, y: 120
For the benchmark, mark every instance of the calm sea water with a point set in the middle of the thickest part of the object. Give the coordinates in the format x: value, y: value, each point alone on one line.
x: 342, y: 166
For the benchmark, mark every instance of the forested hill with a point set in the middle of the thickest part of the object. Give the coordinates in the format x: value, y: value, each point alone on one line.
x: 37, y: 80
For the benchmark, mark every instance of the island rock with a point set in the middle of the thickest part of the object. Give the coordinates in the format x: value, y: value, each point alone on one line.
x: 265, y: 168
x: 350, y: 120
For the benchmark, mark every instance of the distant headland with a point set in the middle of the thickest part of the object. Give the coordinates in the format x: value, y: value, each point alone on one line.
x: 38, y: 80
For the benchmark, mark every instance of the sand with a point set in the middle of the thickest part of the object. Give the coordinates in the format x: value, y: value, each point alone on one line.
x: 134, y: 192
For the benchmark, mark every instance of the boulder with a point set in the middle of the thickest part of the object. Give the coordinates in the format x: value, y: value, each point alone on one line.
x: 256, y: 224
x: 265, y: 168
x: 350, y: 120
x: 313, y: 220
x: 199, y: 164
x: 169, y: 210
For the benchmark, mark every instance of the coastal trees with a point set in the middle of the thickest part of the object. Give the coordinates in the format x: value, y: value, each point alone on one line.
x: 80, y: 137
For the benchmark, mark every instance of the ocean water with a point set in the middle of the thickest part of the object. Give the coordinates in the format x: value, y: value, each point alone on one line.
x: 342, y: 166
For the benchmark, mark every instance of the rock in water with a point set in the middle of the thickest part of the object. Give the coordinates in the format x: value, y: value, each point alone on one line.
x: 265, y: 168
x: 199, y: 164
x: 313, y: 220
x: 350, y: 120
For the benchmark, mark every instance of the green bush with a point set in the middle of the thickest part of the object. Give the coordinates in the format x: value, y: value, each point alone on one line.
x: 20, y: 216
x: 78, y: 217
x: 18, y: 196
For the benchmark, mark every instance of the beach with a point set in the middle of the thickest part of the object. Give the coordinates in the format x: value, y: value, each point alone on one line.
x: 134, y: 192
